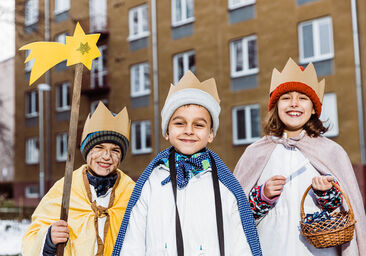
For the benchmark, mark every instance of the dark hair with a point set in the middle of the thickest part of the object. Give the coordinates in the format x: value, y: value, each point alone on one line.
x: 274, y: 126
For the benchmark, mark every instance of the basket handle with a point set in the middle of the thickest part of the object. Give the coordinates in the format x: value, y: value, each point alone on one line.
x: 335, y: 185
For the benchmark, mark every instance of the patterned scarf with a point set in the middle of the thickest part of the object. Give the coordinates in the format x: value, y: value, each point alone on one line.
x: 225, y: 177
x: 101, y: 184
x: 187, y: 167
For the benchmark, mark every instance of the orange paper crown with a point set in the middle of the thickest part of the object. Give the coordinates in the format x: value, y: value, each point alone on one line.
x: 103, y: 120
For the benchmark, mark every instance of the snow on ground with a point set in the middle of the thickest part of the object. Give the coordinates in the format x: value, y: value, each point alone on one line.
x: 11, y: 233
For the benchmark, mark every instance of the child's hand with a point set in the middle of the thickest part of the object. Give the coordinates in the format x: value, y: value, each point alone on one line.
x: 59, y: 232
x: 274, y: 186
x: 322, y: 183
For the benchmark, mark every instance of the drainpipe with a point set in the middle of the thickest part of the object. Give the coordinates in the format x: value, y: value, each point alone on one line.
x: 42, y: 88
x: 155, y: 77
x: 356, y: 48
x: 47, y: 97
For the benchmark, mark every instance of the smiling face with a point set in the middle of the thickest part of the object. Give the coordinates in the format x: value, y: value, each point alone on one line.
x: 294, y: 110
x: 189, y: 129
x: 104, y: 158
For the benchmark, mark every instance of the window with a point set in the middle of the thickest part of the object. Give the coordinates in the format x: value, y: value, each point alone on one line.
x: 141, y: 137
x: 31, y: 191
x: 32, y: 151
x: 99, y: 69
x: 95, y: 103
x: 329, y: 114
x: 98, y: 15
x: 61, y: 38
x: 138, y: 22
x: 61, y: 147
x: 316, y: 40
x: 233, y: 4
x: 61, y: 6
x: 29, y: 64
x: 140, y: 79
x: 63, y: 97
x: 182, y: 12
x: 4, y: 172
x: 246, y: 124
x: 31, y: 104
x: 243, y: 56
x: 182, y: 63
x: 31, y: 12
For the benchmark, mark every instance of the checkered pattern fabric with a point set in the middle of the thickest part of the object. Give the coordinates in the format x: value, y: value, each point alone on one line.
x: 225, y: 176
x: 187, y: 167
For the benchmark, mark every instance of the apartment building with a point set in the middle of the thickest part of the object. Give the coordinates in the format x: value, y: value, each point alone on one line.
x: 147, y: 45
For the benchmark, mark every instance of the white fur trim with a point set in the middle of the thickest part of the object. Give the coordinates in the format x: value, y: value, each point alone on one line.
x: 190, y: 96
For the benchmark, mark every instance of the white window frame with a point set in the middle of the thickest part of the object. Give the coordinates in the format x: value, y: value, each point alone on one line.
x: 232, y: 5
x: 28, y: 65
x: 32, y: 96
x: 185, y: 56
x: 316, y: 40
x: 184, y: 19
x: 246, y: 70
x: 138, y: 90
x: 29, y: 194
x: 61, y: 139
x: 141, y: 33
x: 61, y: 6
x: 144, y: 149
x: 31, y: 12
x: 329, y: 114
x: 102, y: 71
x: 98, y: 15
x: 95, y: 103
x: 61, y: 38
x: 249, y: 139
x: 64, y: 89
x: 32, y: 151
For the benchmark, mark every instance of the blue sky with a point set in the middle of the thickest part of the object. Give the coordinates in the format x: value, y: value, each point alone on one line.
x: 7, y: 38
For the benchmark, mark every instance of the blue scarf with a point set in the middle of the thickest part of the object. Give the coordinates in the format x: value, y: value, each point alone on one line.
x: 226, y: 178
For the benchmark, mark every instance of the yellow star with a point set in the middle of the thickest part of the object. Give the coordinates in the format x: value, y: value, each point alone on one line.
x: 82, y: 48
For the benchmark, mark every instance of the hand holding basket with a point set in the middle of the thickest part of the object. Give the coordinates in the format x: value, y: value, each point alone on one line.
x: 336, y: 230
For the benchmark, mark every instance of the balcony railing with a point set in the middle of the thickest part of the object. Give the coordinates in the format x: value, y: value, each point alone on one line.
x: 98, y: 23
x: 94, y: 84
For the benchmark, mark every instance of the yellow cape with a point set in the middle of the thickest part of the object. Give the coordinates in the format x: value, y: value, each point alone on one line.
x: 82, y: 219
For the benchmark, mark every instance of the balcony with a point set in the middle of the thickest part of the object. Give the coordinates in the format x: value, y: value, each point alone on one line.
x: 98, y: 17
x: 94, y: 83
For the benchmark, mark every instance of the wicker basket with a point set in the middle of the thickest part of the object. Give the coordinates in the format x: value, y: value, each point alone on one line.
x: 335, y: 231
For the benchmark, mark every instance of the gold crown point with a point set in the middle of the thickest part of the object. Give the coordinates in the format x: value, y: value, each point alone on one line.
x: 210, y: 85
x: 121, y: 116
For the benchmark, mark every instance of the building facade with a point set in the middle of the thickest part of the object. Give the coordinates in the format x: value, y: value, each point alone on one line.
x: 147, y: 45
x: 6, y: 127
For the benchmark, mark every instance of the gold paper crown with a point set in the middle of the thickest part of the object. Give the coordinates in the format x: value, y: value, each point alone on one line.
x: 190, y: 81
x: 292, y: 73
x: 103, y: 120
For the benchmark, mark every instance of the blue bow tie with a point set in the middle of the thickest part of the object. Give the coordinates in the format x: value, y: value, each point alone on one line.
x: 187, y: 167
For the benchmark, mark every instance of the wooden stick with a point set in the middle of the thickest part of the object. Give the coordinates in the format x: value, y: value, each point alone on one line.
x: 69, y: 168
